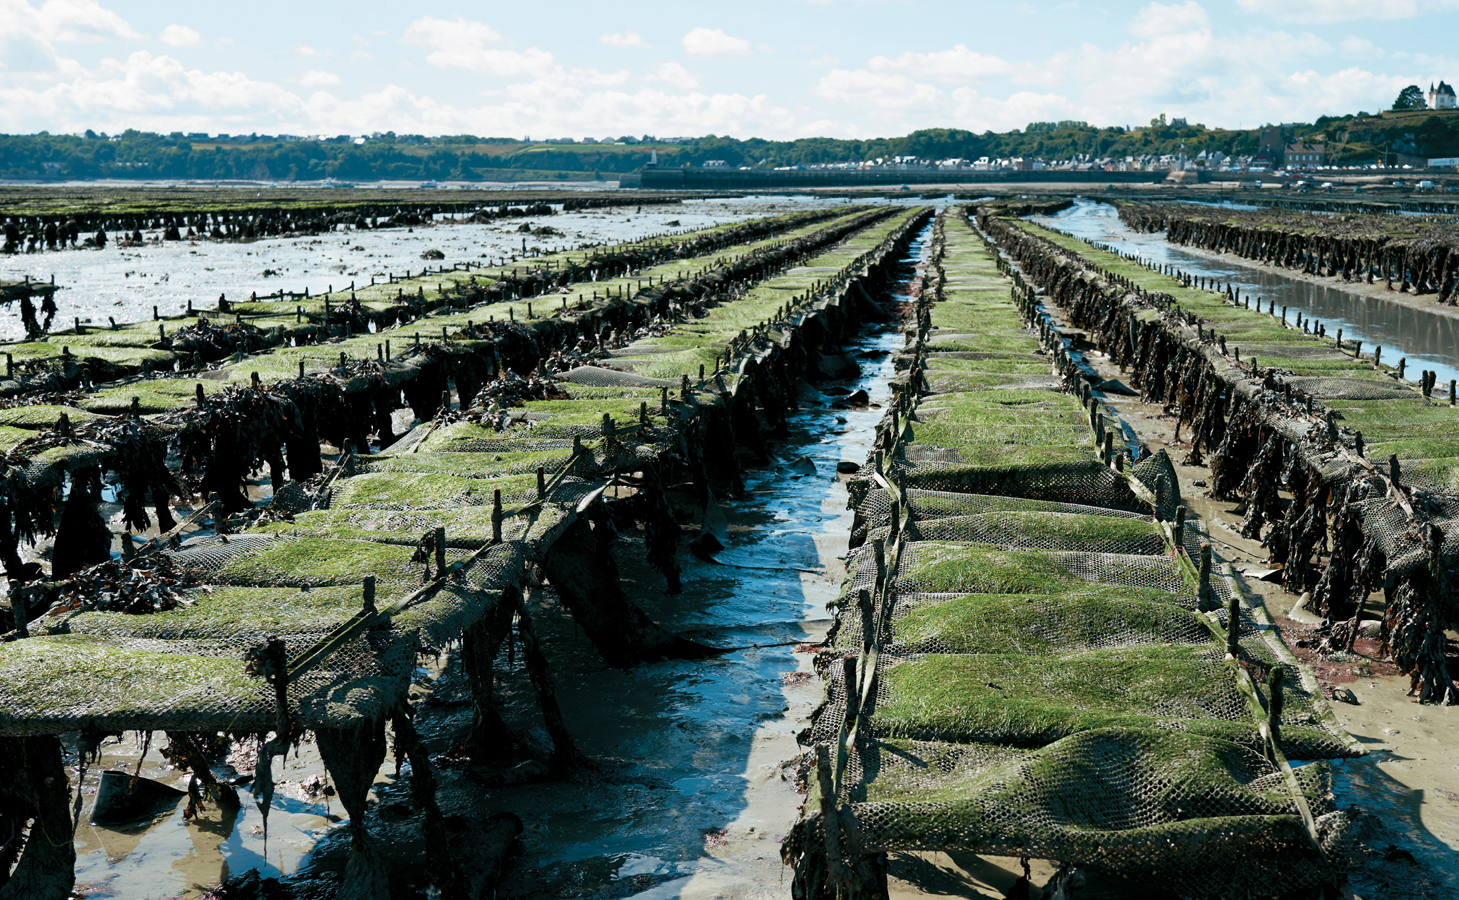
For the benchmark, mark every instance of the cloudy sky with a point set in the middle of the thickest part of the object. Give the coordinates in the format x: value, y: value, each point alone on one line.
x: 782, y: 69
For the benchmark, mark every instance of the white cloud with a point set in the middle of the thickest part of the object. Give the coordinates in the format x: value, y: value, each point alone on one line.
x: 451, y: 42
x: 311, y: 52
x: 877, y: 90
x: 180, y: 36
x: 57, y: 21
x: 316, y: 78
x: 1345, y: 10
x: 712, y: 43
x: 627, y: 40
x: 674, y: 75
x: 1356, y: 46
x: 957, y: 64
x: 1158, y: 19
x: 463, y: 44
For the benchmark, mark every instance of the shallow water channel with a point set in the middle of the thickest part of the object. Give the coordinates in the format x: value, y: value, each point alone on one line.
x: 699, y: 757
x: 1429, y: 340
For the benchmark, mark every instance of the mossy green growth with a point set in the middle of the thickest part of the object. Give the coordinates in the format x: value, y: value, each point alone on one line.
x: 995, y: 342
x: 928, y: 505
x: 230, y: 613
x: 463, y: 464
x: 397, y: 490
x: 1307, y: 367
x: 1443, y: 473
x: 1092, y: 781
x: 319, y: 561
x: 43, y: 415
x: 994, y: 406
x: 1034, y: 700
x: 1010, y: 364
x: 935, y: 567
x: 976, y: 381
x: 468, y: 527
x: 1040, y: 624
x: 54, y: 684
x: 974, y: 439
x: 156, y: 395
x: 1046, y: 530
x: 11, y: 437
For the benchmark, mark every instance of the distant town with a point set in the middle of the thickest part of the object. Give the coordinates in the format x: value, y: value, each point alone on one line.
x: 1419, y: 131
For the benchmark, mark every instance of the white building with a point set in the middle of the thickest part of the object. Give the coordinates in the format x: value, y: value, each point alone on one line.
x: 1441, y: 97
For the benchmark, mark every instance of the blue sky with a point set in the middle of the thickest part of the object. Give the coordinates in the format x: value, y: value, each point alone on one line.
x: 786, y: 69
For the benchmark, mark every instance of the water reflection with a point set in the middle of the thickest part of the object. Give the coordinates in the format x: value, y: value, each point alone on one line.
x: 1427, y: 339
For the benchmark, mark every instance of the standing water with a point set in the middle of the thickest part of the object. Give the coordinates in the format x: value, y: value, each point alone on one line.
x: 697, y: 790
x: 709, y: 746
x: 1427, y: 339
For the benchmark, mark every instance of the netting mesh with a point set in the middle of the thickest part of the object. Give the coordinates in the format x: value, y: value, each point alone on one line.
x: 1037, y: 670
x: 299, y: 574
x: 1129, y: 802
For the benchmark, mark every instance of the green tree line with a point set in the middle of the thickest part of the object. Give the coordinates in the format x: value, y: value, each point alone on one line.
x: 143, y: 155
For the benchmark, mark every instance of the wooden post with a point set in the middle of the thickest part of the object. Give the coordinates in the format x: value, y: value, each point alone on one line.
x: 1205, y: 588
x: 1274, y: 703
x: 369, y: 589
x: 496, y: 516
x: 440, y: 542
x: 19, y: 610
x: 868, y: 618
x: 1233, y: 625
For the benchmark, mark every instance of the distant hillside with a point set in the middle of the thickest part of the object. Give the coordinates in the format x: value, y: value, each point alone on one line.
x: 141, y: 155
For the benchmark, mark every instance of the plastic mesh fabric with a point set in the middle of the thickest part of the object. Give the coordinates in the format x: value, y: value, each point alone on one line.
x: 597, y: 376
x: 1118, y: 801
x: 1044, y: 681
